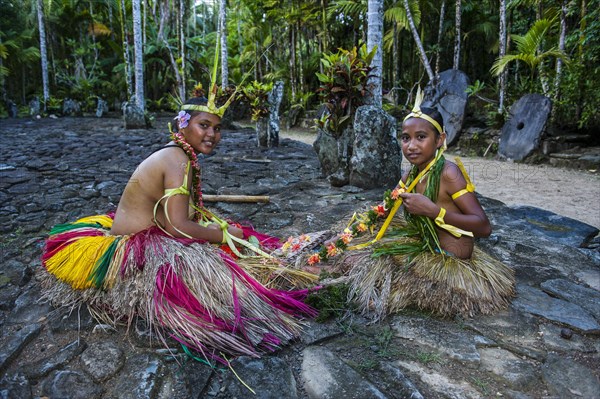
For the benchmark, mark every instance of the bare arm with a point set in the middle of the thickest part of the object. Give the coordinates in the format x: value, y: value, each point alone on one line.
x: 471, y: 216
x: 177, y: 222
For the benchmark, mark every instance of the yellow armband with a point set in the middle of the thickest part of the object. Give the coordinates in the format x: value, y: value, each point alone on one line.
x: 470, y: 186
x: 455, y: 231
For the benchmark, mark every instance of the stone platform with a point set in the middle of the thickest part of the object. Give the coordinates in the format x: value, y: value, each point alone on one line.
x: 54, y: 171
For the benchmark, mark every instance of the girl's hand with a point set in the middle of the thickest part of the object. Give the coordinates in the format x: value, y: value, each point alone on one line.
x: 418, y: 204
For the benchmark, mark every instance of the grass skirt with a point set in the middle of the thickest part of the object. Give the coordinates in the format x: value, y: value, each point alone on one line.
x: 433, y: 282
x: 186, y: 289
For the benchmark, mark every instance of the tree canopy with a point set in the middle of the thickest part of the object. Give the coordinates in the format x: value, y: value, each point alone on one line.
x: 552, y: 47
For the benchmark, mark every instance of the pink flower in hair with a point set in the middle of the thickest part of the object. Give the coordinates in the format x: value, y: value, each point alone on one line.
x: 183, y: 118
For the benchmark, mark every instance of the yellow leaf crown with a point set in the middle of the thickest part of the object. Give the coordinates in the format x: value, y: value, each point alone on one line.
x: 417, y: 113
x: 211, y: 106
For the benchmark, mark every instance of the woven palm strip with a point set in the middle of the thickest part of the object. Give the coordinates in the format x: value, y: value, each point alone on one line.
x: 207, y: 279
x: 441, y: 284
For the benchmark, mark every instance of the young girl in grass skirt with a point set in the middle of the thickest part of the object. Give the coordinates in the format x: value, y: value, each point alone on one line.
x: 163, y: 256
x: 426, y: 258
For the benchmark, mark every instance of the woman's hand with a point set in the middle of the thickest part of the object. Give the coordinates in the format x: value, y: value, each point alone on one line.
x: 418, y: 204
x: 235, y: 231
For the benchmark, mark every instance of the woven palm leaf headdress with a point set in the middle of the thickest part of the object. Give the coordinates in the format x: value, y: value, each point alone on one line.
x: 211, y: 106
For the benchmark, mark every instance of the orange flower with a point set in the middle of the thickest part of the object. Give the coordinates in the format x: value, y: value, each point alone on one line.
x: 314, y: 258
x: 346, y: 238
x: 362, y: 227
x: 396, y: 193
x: 332, y: 250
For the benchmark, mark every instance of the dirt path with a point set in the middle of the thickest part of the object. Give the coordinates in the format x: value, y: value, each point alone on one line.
x: 567, y: 192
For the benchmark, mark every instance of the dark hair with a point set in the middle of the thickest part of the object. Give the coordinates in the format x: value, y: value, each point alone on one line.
x: 436, y: 115
x: 192, y: 101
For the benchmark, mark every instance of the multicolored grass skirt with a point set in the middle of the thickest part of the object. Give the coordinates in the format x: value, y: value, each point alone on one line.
x: 185, y: 289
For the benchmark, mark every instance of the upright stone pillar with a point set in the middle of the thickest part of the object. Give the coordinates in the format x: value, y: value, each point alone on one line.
x: 376, y: 155
x: 133, y: 115
x: 267, y: 128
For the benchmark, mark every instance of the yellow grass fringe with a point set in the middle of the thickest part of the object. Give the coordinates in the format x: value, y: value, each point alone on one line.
x: 74, y: 263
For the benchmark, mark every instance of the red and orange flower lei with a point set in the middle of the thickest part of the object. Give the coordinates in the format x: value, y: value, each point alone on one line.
x: 359, y: 223
x: 179, y: 139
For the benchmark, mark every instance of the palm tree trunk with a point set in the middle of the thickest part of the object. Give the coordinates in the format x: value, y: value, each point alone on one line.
x: 419, y: 44
x: 240, y: 41
x: 561, y: 47
x: 292, y: 38
x: 457, y: 16
x: 439, y: 38
x: 44, y: 56
x: 581, y: 79
x: 182, y: 47
x: 396, y: 57
x: 501, y: 53
x: 223, y: 36
x: 125, y: 34
x: 375, y: 39
x: 300, y: 61
x: 139, y: 55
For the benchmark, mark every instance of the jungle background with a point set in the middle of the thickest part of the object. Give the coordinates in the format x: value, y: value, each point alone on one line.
x: 160, y: 49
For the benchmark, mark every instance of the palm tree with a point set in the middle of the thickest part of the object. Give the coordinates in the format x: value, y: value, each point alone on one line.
x: 375, y: 40
x: 561, y: 47
x: 223, y: 36
x: 418, y: 42
x: 529, y: 50
x: 457, y: 37
x: 126, y: 52
x: 43, y: 53
x: 139, y: 54
x: 181, y: 34
x: 439, y: 38
x: 502, y: 53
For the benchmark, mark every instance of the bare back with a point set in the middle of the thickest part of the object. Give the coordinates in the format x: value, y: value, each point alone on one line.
x: 145, y: 188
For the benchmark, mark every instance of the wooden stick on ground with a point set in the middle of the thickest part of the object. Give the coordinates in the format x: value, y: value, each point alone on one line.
x: 235, y: 198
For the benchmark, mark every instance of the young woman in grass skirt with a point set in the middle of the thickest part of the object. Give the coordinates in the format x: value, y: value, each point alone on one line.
x: 427, y: 257
x: 196, y: 278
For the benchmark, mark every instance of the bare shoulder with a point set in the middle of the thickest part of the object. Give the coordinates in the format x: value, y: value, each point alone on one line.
x: 452, y: 177
x: 166, y: 159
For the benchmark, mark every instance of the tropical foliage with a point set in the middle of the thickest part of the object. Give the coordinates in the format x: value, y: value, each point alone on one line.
x: 343, y: 86
x: 90, y: 47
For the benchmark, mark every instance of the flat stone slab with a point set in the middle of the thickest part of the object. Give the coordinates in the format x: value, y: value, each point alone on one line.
x: 568, y: 379
x: 12, y: 347
x: 325, y: 375
x: 551, y: 335
x: 522, y: 132
x: 456, y: 345
x: 446, y: 387
x: 317, y: 332
x: 517, y: 373
x: 269, y: 378
x: 587, y: 298
x: 546, y: 224
x: 536, y: 302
